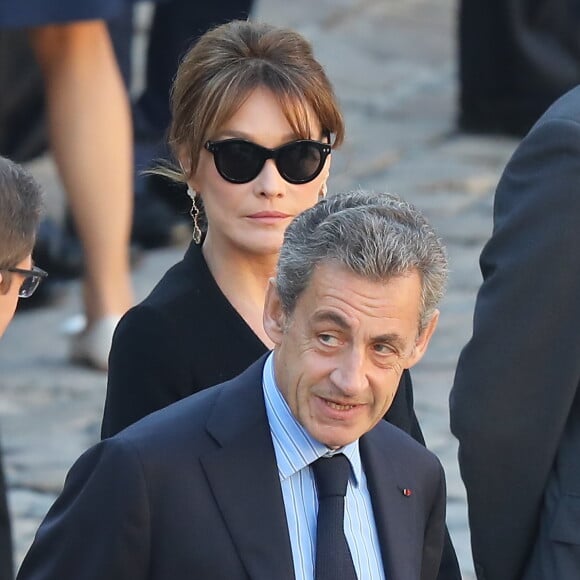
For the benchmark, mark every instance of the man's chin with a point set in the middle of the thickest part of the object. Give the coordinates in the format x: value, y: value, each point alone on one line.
x: 335, y: 437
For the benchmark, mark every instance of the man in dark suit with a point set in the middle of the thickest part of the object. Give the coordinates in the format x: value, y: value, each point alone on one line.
x: 20, y: 202
x: 223, y: 484
x: 515, y: 403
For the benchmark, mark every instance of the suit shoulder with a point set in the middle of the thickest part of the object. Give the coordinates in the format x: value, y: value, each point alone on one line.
x: 393, y: 438
x: 174, y: 309
x: 177, y: 288
x: 567, y: 107
x: 179, y: 421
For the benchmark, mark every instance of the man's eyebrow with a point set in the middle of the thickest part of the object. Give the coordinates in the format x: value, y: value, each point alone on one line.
x: 329, y: 316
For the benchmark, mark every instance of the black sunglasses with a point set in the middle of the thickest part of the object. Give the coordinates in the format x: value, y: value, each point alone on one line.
x: 31, y: 280
x: 240, y: 161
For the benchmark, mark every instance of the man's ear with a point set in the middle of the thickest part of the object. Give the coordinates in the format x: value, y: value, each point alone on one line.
x: 422, y: 341
x: 274, y: 317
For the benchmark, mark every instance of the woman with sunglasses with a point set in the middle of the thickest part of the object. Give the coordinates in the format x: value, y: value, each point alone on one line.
x: 254, y: 121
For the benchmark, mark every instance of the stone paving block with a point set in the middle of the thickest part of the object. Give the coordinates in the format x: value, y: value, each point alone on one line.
x: 27, y: 508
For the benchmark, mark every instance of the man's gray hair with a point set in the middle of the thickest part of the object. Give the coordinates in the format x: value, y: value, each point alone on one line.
x: 377, y: 236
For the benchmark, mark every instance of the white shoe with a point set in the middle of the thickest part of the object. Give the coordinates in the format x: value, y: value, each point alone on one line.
x: 91, y: 346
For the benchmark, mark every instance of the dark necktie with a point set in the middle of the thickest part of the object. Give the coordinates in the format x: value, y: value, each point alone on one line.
x: 333, y: 557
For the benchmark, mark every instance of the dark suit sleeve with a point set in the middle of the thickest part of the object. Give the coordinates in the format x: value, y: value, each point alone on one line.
x: 518, y: 375
x: 147, y: 368
x: 98, y: 529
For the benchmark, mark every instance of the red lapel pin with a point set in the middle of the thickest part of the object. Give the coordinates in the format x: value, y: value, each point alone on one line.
x: 407, y: 492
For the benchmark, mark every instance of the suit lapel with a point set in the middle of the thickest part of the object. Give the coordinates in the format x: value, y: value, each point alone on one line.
x: 244, y: 478
x: 393, y: 511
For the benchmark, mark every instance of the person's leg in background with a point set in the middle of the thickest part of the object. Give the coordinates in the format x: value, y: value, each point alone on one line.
x: 90, y: 135
x: 176, y: 24
x: 515, y: 58
x: 485, y: 62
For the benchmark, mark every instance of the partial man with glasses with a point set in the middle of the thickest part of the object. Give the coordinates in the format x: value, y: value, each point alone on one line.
x: 20, y: 206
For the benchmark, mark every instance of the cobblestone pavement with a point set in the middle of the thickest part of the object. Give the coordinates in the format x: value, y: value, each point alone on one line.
x: 394, y: 69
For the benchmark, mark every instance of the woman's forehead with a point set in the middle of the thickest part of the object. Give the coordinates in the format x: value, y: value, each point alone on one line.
x: 297, y: 111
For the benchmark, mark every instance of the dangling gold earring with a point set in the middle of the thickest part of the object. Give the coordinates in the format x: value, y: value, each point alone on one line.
x: 323, y: 191
x: 194, y: 213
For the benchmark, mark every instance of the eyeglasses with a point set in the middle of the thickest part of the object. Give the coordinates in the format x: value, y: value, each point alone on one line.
x: 240, y: 161
x: 31, y: 280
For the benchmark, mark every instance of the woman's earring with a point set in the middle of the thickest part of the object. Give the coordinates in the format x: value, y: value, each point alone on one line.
x: 323, y: 191
x: 194, y: 213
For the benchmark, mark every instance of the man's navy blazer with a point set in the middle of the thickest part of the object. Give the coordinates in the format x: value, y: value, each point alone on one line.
x: 193, y: 491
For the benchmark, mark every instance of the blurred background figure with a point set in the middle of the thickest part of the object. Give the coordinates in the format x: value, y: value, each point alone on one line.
x: 515, y: 58
x: 20, y: 204
x: 89, y: 131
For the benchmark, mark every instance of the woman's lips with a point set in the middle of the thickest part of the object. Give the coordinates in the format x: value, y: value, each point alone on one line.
x: 269, y: 217
x: 269, y: 214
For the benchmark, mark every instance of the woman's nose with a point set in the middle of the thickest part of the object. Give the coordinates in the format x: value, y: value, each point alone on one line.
x: 269, y: 182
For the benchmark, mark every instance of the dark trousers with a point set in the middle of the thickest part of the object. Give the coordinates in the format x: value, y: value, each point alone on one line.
x: 515, y: 58
x: 23, y: 133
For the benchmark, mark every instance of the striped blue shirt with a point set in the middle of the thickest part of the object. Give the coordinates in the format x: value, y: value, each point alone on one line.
x: 295, y: 450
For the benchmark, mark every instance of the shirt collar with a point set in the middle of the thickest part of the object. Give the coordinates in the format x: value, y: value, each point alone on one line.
x: 295, y: 448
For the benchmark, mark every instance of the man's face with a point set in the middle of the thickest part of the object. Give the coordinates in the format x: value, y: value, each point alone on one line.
x: 339, y: 356
x: 9, y: 300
